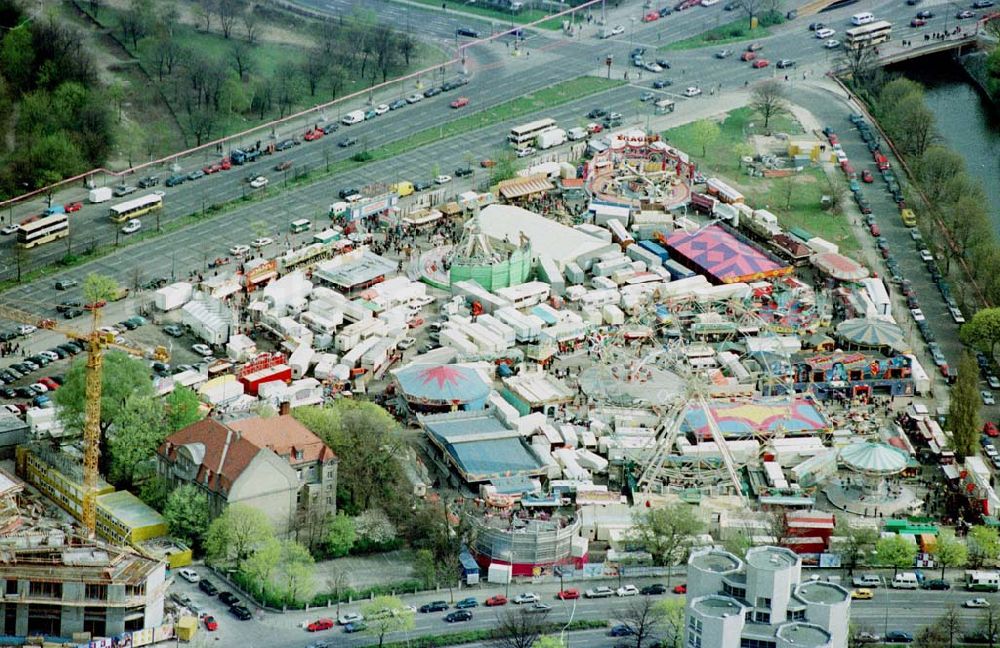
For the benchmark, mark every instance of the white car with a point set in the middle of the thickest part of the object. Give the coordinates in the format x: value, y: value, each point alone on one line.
x: 925, y: 255
x: 349, y: 617
x: 525, y: 152
x: 976, y: 603
x: 825, y: 33
x: 414, y: 98
x: 239, y: 250
x: 422, y: 301
x: 918, y: 315
x: 12, y: 409
x: 381, y: 109
x: 132, y: 226
x: 956, y: 315
x: 9, y: 229
x: 26, y: 329
x: 987, y: 397
x: 617, y: 29
x: 599, y: 592
x: 203, y: 350
x: 627, y: 590
x: 526, y: 597
x: 692, y: 91
x: 261, y: 242
x: 258, y: 182
x: 39, y: 388
x: 442, y: 179
x: 189, y: 575
x: 833, y: 43
x: 405, y: 343
x: 652, y: 67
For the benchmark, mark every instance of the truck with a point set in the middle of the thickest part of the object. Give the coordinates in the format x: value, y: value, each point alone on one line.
x: 242, y: 156
x: 99, y: 195
x: 550, y: 138
x: 576, y: 134
x: 353, y: 117
x: 982, y: 581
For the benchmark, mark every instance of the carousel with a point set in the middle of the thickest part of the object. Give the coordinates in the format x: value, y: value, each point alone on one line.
x: 869, y: 482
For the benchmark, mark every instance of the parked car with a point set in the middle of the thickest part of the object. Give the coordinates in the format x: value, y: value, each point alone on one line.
x: 241, y: 612
x: 326, y: 624
x: 599, y: 592
x: 627, y: 590
x: 568, y: 594
x: 496, y: 600
x: 656, y: 588
x: 228, y: 598
x: 465, y: 603
x: 189, y: 575
x: 458, y: 616
x: 433, y: 606
x: 208, y: 587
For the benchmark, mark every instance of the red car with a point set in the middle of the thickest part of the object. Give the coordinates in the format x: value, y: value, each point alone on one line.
x: 499, y: 599
x: 761, y: 63
x: 881, y: 161
x: 568, y: 594
x: 748, y: 56
x: 212, y: 168
x: 210, y: 623
x: 487, y: 163
x: 873, y: 228
x: 594, y: 127
x: 918, y: 22
x: 226, y: 164
x: 320, y: 624
x: 100, y: 303
x: 866, y: 176
x: 460, y: 102
x: 681, y: 589
x: 312, y: 135
x: 53, y: 385
x: 73, y: 207
x: 990, y: 429
x: 415, y: 322
x: 652, y: 16
x: 834, y: 140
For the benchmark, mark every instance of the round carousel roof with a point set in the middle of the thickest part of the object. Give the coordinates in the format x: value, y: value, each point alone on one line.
x: 442, y: 383
x: 873, y: 458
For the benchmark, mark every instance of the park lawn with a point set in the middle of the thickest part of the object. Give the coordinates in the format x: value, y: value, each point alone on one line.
x: 795, y: 201
x: 732, y: 32
x: 504, y: 18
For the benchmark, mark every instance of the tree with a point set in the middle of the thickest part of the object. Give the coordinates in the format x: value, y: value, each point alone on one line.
x: 235, y: 535
x: 643, y: 621
x: 138, y: 431
x: 984, y: 546
x: 182, y: 408
x: 768, y: 99
x: 505, y: 167
x: 261, y: 566
x: 228, y: 12
x: 950, y: 552
x: 705, y: 132
x: 983, y: 330
x: 742, y: 150
x: 99, y: 288
x: 859, y: 543
x: 862, y: 65
x: 937, y: 167
x: 251, y: 22
x: 895, y: 552
x: 671, y: 614
x: 989, y: 625
x: 424, y: 567
x: 667, y: 532
x: 374, y: 529
x: 340, y: 536
x: 750, y: 7
x: 296, y: 575
x: 186, y: 513
x: 950, y: 625
x: 368, y: 442
x: 154, y: 492
x: 122, y: 376
x: 242, y: 58
x: 963, y: 412
x: 915, y: 125
x: 518, y: 628
x: 385, y: 615
x: 931, y: 637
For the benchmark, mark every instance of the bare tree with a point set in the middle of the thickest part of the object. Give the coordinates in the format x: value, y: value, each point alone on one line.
x: 750, y: 7
x: 407, y: 47
x: 251, y: 23
x: 241, y: 58
x: 287, y: 86
x: 643, y: 622
x: 518, y: 628
x: 313, y: 68
x: 335, y: 79
x: 166, y: 53
x: 989, y: 625
x: 202, y: 12
x: 861, y: 64
x: 768, y: 99
x: 228, y: 11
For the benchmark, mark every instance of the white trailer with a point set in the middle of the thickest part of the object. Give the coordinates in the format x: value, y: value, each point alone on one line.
x: 300, y: 359
x: 99, y: 195
x: 613, y: 315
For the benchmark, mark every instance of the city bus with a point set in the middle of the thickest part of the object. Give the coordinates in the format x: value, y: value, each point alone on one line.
x: 871, y: 34
x: 135, y: 208
x: 525, y: 135
x: 42, y: 230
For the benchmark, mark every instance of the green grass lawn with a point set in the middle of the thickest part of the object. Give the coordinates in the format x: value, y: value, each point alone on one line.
x: 503, y: 18
x: 795, y: 201
x: 733, y: 32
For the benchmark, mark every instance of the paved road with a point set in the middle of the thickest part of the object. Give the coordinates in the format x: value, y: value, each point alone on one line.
x: 907, y: 610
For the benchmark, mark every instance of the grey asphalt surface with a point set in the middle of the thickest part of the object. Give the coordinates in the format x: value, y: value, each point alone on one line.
x: 890, y: 609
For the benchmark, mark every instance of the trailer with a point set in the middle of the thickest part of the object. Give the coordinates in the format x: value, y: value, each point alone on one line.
x: 656, y: 249
x: 703, y: 203
x: 677, y: 271
x: 99, y: 195
x: 723, y: 191
x: 300, y: 359
x: 613, y: 316
x: 619, y: 234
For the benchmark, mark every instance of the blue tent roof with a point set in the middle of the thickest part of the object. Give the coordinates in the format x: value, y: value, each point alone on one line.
x: 442, y: 383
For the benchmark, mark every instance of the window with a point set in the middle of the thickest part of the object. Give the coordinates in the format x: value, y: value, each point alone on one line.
x: 735, y: 592
x: 763, y: 602
x: 96, y: 591
x: 135, y: 590
x: 12, y: 586
x: 756, y: 643
x: 796, y: 615
x: 762, y: 617
x: 45, y: 589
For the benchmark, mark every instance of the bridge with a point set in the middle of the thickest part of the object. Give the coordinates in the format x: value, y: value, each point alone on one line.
x: 958, y: 43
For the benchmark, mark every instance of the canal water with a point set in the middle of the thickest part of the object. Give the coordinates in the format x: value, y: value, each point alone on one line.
x: 966, y: 120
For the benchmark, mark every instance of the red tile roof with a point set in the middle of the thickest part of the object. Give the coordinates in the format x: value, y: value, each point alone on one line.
x: 229, y: 448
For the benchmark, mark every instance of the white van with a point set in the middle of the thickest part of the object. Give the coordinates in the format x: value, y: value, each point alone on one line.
x: 862, y: 18
x: 905, y: 580
x: 353, y: 117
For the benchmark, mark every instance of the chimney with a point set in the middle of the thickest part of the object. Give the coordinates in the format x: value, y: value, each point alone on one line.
x: 285, y: 408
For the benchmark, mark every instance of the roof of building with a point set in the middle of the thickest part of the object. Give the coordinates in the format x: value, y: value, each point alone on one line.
x: 716, y: 606
x: 354, y: 269
x: 771, y: 558
x: 714, y: 560
x: 807, y: 635
x: 548, y: 238
x: 724, y: 257
x: 286, y: 437
x: 480, y: 446
x: 518, y: 187
x: 130, y: 510
x: 441, y: 383
x: 744, y: 419
x: 821, y: 592
x: 538, y: 388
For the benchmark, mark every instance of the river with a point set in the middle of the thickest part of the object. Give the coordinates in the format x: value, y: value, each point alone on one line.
x: 966, y: 120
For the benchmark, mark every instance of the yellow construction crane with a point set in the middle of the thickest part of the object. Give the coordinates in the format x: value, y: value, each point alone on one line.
x: 96, y: 342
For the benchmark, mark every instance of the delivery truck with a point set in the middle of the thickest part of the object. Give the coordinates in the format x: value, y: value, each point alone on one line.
x: 353, y: 117
x: 99, y: 195
x: 550, y: 138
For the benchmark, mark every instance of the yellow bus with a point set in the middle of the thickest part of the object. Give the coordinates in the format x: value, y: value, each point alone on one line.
x: 42, y: 230
x: 135, y: 208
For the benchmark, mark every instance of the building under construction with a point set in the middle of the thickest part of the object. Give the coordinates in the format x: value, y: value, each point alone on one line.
x: 66, y: 588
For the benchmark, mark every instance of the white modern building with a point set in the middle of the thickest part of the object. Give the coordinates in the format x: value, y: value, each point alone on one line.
x: 761, y: 602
